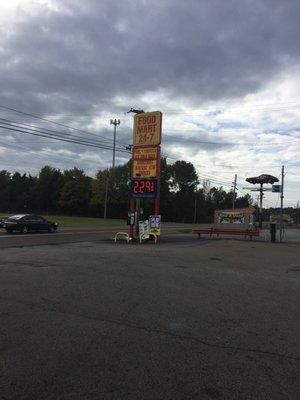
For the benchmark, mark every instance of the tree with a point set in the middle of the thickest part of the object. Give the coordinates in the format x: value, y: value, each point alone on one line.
x: 50, y: 183
x: 31, y: 194
x: 216, y: 199
x: 76, y: 192
x: 166, y: 196
x: 201, y: 206
x: 183, y: 176
x: 118, y: 191
x: 98, y: 191
x: 18, y: 193
x: 183, y: 181
x: 4, y: 190
x: 244, y: 201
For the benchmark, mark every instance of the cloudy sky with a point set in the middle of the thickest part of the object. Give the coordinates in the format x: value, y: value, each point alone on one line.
x: 225, y: 75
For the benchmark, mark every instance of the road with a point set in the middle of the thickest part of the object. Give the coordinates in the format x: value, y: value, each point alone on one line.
x: 62, y: 236
x: 73, y: 235
x: 180, y: 320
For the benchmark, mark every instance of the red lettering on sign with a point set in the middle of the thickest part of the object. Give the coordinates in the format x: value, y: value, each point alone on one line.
x: 149, y: 119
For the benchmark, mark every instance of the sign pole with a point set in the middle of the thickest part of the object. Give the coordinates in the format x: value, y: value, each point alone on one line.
x: 157, y: 200
x: 145, y: 169
x: 138, y: 215
x: 132, y: 210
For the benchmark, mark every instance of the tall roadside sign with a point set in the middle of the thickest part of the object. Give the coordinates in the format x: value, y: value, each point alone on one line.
x: 145, y: 171
x: 147, y: 129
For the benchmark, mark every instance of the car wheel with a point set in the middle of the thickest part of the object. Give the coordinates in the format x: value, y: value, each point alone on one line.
x: 24, y: 229
x: 51, y: 229
x: 9, y: 230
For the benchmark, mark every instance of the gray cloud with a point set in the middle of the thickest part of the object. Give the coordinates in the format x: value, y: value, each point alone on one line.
x: 76, y: 60
x: 86, y: 54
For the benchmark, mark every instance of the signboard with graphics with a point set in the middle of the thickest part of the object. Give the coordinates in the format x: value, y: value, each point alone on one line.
x: 154, y: 224
x: 147, y: 129
x: 144, y: 229
x: 145, y: 153
x: 231, y: 217
x: 239, y: 218
x: 276, y: 188
x: 144, y: 169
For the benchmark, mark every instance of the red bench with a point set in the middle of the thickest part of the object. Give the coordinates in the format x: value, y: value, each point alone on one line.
x: 226, y: 231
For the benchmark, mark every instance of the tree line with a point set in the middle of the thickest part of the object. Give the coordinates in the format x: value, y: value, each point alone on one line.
x: 72, y: 192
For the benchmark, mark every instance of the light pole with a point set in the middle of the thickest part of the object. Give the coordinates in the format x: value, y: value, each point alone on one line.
x: 114, y: 122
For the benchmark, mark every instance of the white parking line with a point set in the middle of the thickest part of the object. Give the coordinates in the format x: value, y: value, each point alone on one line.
x: 5, y: 236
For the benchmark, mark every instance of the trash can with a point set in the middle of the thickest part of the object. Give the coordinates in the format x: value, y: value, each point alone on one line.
x: 273, y: 231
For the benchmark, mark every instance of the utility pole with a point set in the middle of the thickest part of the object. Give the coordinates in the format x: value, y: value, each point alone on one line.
x: 234, y: 191
x: 114, y: 122
x: 281, y: 205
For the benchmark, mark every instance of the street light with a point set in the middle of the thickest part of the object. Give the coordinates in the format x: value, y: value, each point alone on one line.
x: 114, y: 122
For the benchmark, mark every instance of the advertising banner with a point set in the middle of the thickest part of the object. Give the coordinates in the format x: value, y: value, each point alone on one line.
x: 147, y: 129
x: 145, y: 153
x: 144, y: 229
x: 144, y: 169
x: 231, y: 218
x: 154, y: 224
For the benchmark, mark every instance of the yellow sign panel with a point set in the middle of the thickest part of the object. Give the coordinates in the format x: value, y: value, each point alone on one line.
x: 144, y: 169
x: 145, y: 153
x: 147, y: 129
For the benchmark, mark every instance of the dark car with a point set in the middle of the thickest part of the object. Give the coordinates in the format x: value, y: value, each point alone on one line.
x: 29, y: 222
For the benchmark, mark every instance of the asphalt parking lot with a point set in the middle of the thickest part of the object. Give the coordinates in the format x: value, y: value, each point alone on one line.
x: 77, y: 235
x: 185, y: 319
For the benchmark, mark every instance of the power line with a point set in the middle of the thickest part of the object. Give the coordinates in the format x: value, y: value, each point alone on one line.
x: 69, y: 140
x: 15, y: 147
x: 34, y: 128
x: 209, y: 177
x: 53, y: 122
x: 55, y: 137
x: 122, y: 144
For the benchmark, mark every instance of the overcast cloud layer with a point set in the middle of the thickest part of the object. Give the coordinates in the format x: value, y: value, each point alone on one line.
x: 224, y: 74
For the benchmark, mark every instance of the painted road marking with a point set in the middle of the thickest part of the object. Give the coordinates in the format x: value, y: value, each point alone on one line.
x: 6, y: 236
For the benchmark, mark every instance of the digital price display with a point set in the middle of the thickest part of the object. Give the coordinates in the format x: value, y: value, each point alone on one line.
x: 144, y: 188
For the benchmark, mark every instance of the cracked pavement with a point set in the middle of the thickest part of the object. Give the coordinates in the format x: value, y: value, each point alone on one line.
x: 188, y: 319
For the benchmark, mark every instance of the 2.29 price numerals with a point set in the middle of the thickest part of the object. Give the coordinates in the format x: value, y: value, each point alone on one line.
x: 143, y: 187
